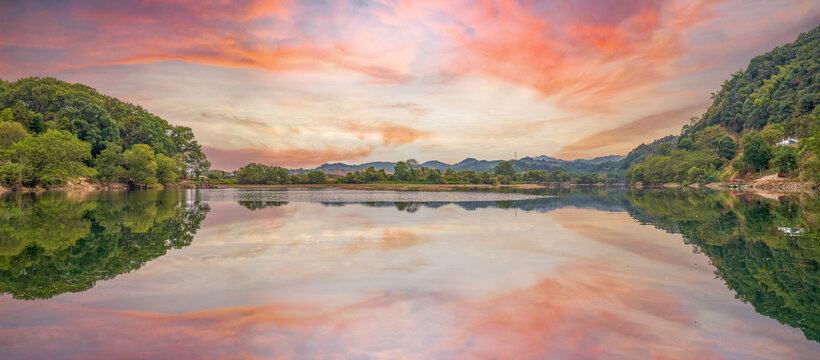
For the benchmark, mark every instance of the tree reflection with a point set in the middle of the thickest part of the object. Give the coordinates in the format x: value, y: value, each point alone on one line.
x: 55, y: 243
x: 766, y: 251
x: 257, y: 204
x: 775, y: 272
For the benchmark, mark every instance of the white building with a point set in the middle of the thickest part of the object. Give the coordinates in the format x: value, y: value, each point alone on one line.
x: 787, y: 141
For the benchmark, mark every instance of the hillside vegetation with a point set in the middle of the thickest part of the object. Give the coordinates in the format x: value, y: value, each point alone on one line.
x: 52, y: 132
x: 775, y: 98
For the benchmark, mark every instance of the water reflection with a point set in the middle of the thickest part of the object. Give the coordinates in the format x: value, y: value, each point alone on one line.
x: 56, y: 242
x: 560, y: 273
x: 776, y: 272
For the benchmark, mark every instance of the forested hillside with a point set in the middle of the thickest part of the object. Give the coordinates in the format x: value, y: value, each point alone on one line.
x: 541, y: 162
x: 52, y: 132
x: 740, y: 135
x: 779, y: 87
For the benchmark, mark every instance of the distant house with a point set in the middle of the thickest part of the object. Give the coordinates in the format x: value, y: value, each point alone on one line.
x: 787, y: 141
x: 791, y: 231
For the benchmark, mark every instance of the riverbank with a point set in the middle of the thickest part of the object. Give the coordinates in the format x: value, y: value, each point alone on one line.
x: 84, y: 185
x: 768, y: 184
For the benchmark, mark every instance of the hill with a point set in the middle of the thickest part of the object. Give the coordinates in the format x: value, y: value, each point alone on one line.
x: 542, y: 162
x: 776, y: 97
x: 779, y: 87
x: 53, y: 132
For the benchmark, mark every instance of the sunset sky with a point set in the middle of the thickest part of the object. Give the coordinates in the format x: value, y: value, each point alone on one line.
x: 299, y: 83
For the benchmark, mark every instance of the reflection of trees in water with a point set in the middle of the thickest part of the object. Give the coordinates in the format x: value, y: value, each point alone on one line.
x: 778, y: 274
x: 409, y: 207
x: 53, y: 243
x: 601, y: 199
x: 256, y: 204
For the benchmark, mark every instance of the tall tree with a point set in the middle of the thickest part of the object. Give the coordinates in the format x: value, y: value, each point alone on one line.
x: 403, y: 171
x: 193, y: 159
x: 167, y: 169
x: 785, y: 159
x: 504, y: 168
x: 756, y: 151
x: 109, y: 164
x: 140, y: 164
x: 11, y: 133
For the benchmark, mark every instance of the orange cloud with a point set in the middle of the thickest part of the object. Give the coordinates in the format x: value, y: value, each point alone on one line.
x: 233, y: 159
x: 584, y: 58
x: 248, y: 34
x: 391, y: 134
x: 623, y: 138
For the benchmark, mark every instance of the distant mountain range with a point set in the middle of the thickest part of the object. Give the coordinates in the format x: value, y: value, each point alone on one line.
x: 541, y: 162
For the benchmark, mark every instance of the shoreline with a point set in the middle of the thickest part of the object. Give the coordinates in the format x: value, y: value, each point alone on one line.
x: 394, y: 187
x: 762, y: 186
x: 79, y: 186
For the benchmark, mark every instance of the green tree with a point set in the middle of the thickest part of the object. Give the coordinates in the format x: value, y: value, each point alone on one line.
x: 140, y: 165
x: 504, y: 168
x: 727, y: 147
x: 110, y: 164
x: 785, y: 159
x: 685, y: 144
x: 11, y: 133
x: 535, y: 176
x: 435, y: 177
x: 316, y: 177
x: 89, y: 120
x: 254, y: 173
x: 756, y: 151
x: 193, y: 159
x: 7, y: 115
x: 694, y: 174
x: 167, y: 169
x: 52, y: 158
x: 11, y: 174
x: 665, y: 149
x: 772, y: 133
x: 403, y: 171
x: 559, y: 176
x: 371, y: 175
x: 30, y: 119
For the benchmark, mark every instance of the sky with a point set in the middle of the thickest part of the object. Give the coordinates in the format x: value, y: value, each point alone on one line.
x: 301, y: 83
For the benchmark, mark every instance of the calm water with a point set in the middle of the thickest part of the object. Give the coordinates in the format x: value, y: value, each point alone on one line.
x: 329, y: 274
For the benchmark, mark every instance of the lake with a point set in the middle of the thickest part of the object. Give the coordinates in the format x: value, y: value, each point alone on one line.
x: 326, y: 274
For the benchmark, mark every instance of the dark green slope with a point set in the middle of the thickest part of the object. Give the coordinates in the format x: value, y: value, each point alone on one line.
x: 776, y: 96
x: 779, y: 87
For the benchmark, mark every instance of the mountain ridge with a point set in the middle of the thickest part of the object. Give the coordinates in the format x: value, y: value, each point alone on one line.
x: 540, y: 162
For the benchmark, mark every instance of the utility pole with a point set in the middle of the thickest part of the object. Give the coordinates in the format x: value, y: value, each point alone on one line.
x: 516, y: 156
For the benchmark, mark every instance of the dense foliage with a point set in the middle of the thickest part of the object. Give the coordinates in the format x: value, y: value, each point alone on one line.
x: 410, y: 171
x: 779, y: 87
x: 52, y: 132
x: 776, y: 97
x: 254, y: 173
